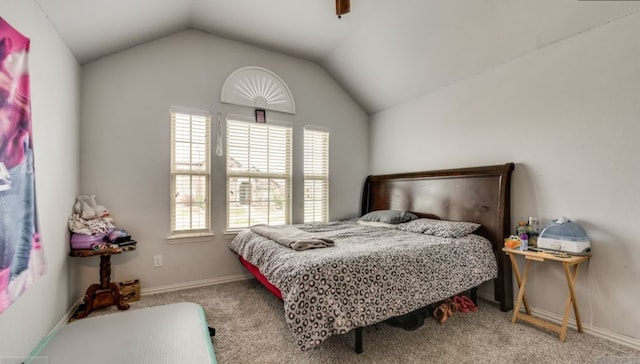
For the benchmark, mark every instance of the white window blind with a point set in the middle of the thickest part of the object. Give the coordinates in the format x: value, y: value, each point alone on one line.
x: 190, y: 171
x: 316, y: 175
x: 258, y: 174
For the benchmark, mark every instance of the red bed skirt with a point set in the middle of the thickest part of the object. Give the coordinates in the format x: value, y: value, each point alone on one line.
x: 261, y: 278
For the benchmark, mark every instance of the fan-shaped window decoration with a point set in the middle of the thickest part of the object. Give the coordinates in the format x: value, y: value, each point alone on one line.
x: 257, y: 87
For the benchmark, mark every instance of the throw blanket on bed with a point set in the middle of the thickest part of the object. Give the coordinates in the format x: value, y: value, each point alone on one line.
x: 292, y: 237
x: 370, y: 275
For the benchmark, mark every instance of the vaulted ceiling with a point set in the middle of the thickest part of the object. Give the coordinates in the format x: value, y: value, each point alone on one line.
x: 383, y: 52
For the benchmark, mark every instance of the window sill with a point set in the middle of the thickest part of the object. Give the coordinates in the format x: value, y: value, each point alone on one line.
x: 230, y: 234
x: 190, y: 238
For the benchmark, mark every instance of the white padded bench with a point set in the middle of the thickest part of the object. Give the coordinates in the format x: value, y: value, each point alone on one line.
x: 172, y: 334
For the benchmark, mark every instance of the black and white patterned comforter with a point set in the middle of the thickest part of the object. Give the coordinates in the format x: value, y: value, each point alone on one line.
x: 370, y: 275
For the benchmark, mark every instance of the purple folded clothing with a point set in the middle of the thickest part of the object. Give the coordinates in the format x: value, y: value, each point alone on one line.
x: 83, y: 241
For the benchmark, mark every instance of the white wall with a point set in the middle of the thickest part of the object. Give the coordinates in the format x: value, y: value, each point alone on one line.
x: 568, y: 116
x: 55, y: 85
x: 125, y: 149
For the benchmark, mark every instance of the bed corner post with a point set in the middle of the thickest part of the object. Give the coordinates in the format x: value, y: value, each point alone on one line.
x: 504, y: 283
x: 366, y: 198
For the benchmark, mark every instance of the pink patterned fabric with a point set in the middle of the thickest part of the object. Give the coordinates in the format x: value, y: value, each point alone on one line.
x: 21, y: 254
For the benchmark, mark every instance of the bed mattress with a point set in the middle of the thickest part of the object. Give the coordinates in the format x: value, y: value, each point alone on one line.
x: 169, y: 334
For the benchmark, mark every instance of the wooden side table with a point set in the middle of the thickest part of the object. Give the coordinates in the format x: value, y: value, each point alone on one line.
x: 570, y: 264
x: 106, y: 293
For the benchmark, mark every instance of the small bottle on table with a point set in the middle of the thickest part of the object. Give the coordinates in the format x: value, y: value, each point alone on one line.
x: 533, y: 230
x: 521, y: 232
x: 524, y: 242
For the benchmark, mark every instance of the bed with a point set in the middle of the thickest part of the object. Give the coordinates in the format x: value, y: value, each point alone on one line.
x: 374, y: 273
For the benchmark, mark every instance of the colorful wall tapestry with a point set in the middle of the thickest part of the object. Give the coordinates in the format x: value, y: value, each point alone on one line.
x: 21, y: 255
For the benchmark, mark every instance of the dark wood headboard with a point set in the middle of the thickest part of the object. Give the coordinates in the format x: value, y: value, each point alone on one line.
x: 478, y: 194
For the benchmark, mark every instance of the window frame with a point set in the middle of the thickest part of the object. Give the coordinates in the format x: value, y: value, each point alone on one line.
x: 313, y: 132
x: 174, y: 232
x: 287, y: 175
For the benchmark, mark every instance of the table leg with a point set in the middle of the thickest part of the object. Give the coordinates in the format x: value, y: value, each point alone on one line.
x: 104, y: 294
x: 565, y: 319
x: 105, y: 271
x: 571, y: 275
x: 522, y: 286
x: 514, y: 264
x: 89, y: 298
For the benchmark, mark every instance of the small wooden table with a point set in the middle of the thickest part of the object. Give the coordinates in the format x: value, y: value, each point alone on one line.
x: 570, y: 264
x: 106, y: 293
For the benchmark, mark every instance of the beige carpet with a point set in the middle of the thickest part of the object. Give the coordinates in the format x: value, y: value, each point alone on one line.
x: 250, y: 328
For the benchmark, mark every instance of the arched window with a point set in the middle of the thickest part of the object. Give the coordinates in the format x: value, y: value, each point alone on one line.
x: 257, y: 87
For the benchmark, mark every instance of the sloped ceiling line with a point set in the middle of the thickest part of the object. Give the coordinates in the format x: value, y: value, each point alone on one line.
x: 383, y: 54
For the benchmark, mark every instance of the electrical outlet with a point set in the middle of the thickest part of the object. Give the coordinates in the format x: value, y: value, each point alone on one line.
x: 157, y: 261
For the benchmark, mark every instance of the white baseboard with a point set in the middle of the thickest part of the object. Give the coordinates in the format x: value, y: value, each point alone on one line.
x: 587, y: 328
x: 194, y: 284
x: 63, y: 321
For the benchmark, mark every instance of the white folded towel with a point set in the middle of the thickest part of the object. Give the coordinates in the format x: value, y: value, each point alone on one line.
x: 292, y: 237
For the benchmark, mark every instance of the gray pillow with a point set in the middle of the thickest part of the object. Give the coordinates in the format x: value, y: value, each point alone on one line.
x: 441, y: 228
x: 389, y: 216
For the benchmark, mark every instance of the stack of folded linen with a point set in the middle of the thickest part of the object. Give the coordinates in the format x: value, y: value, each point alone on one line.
x: 92, y: 226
